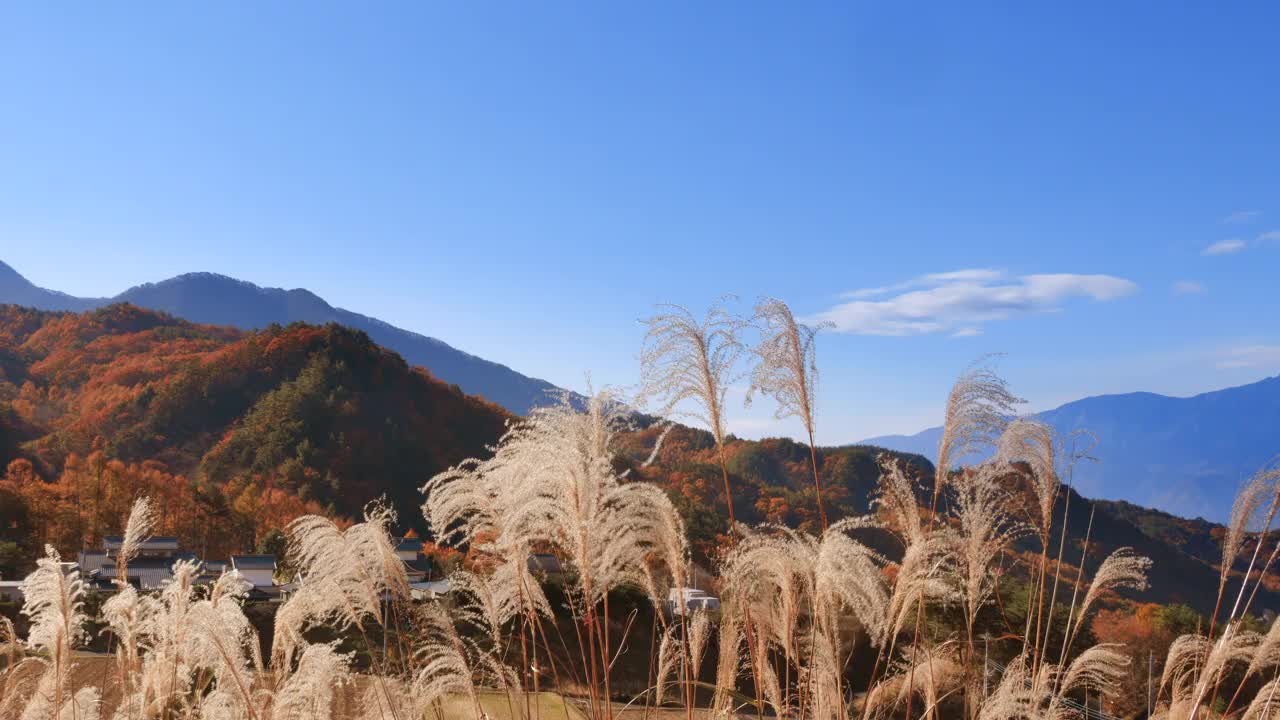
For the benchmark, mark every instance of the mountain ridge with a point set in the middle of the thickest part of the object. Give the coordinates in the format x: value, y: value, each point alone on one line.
x: 217, y: 299
x: 1184, y: 455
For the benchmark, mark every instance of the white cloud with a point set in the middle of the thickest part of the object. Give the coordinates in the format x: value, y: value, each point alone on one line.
x: 971, y: 274
x: 1269, y: 237
x: 744, y: 426
x: 961, y: 302
x: 874, y: 291
x: 1224, y: 247
x: 1242, y: 216
x: 1189, y: 287
x: 1249, y: 356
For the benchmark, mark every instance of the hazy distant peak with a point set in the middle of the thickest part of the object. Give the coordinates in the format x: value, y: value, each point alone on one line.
x: 1185, y: 455
x: 217, y: 280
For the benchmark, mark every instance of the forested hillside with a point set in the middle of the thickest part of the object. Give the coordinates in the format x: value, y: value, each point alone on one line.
x: 249, y: 427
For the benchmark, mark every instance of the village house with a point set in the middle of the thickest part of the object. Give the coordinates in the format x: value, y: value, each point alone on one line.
x: 416, y: 566
x: 152, y: 569
x: 260, y: 572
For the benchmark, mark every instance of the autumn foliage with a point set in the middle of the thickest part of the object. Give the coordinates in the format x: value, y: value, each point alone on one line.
x: 236, y: 431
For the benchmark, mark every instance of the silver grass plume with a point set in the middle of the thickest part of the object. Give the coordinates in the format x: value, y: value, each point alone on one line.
x: 1100, y: 667
x: 768, y: 575
x: 1180, y: 710
x: 768, y: 678
x: 847, y: 574
x: 687, y: 365
x: 465, y: 502
x: 1268, y: 653
x: 1187, y: 653
x: 1017, y: 695
x: 1233, y: 648
x: 1034, y: 443
x: 11, y: 683
x: 936, y: 672
x: 1264, y: 487
x: 137, y: 530
x: 182, y: 638
x: 729, y: 661
x: 130, y: 615
x: 699, y: 633
x: 895, y: 496
x: 389, y: 698
x: 53, y: 601
x: 490, y: 603
x: 466, y: 505
x: 796, y: 588
x: 344, y: 575
x: 923, y: 576
x: 308, y: 692
x: 565, y: 493
x: 1246, y: 510
x: 787, y: 369
x: 83, y: 704
x: 1193, y: 665
x: 1020, y: 694
x: 823, y: 680
x: 212, y: 646
x: 668, y: 658
x: 983, y: 531
x: 1121, y: 570
x: 485, y: 604
x: 927, y: 560
x: 979, y: 407
x: 1262, y: 490
x: 444, y: 662
x: 1266, y: 704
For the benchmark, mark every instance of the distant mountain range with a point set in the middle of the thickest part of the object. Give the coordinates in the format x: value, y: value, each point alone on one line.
x: 220, y: 300
x: 1186, y: 456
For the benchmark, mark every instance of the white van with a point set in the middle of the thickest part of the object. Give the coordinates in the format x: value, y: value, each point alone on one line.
x: 682, y: 600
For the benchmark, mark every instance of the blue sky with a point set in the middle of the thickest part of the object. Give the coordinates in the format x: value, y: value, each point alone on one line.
x: 1090, y: 188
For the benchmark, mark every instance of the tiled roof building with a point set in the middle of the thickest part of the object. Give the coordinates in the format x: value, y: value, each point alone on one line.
x: 151, y: 571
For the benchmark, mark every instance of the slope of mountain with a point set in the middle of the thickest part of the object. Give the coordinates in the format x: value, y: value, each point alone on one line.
x: 1186, y: 456
x: 1198, y: 538
x: 320, y: 411
x: 1177, y: 574
x: 219, y: 300
x: 17, y: 290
